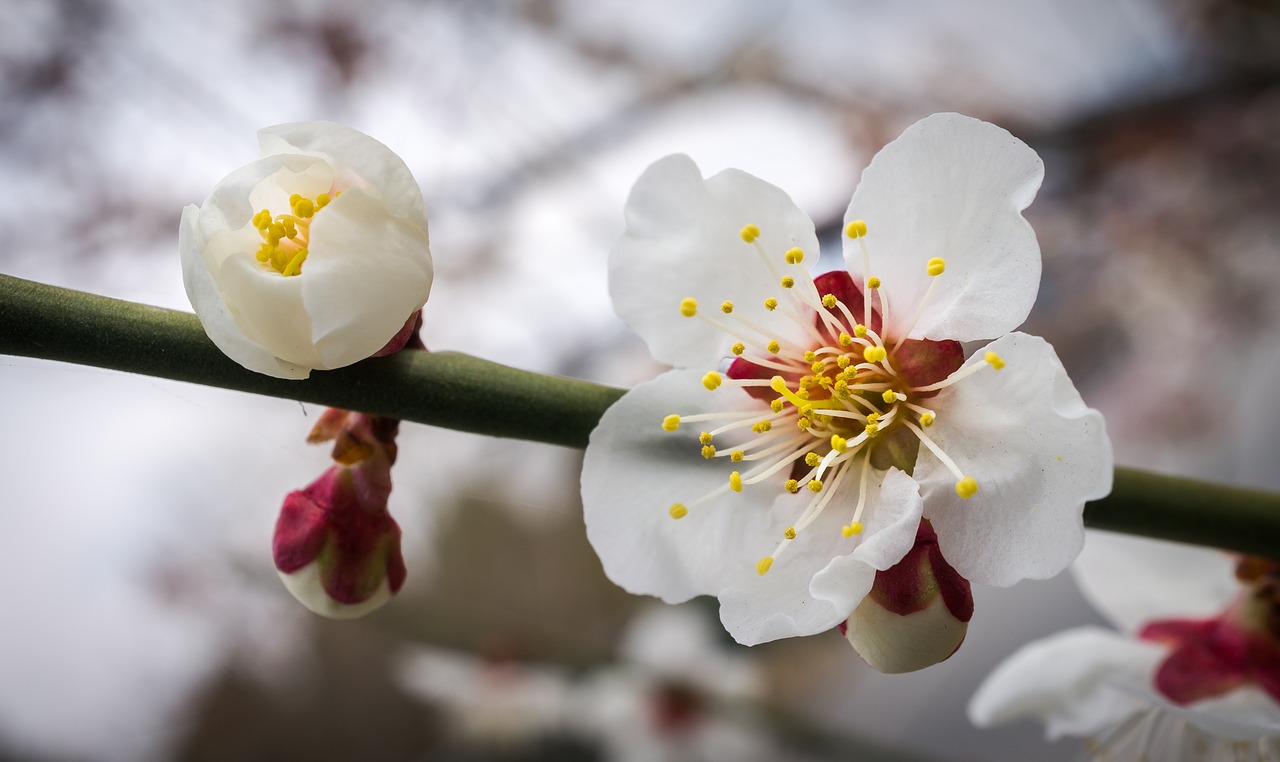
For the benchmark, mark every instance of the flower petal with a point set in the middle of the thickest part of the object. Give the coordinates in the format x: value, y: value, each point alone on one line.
x: 268, y: 307
x: 1245, y: 713
x: 953, y: 187
x: 1078, y: 682
x: 358, y: 295
x: 1037, y: 452
x: 634, y: 470
x: 822, y: 576
x: 347, y: 149
x: 216, y: 318
x: 683, y: 239
x: 1134, y: 580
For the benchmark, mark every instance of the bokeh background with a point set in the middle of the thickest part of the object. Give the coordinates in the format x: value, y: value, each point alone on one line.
x: 142, y: 618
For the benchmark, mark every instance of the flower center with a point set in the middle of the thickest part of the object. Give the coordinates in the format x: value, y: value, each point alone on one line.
x: 285, y: 236
x: 842, y: 401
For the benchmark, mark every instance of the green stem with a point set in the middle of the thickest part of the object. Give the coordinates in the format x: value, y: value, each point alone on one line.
x: 447, y: 389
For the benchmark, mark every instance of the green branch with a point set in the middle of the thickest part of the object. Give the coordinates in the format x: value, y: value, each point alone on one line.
x: 446, y: 388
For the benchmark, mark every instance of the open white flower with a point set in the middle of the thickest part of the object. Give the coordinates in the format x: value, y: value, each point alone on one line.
x: 780, y: 465
x: 313, y: 257
x: 1187, y: 677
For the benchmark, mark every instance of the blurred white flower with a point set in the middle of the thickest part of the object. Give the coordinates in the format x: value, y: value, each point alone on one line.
x: 1193, y: 674
x: 851, y: 419
x: 312, y: 257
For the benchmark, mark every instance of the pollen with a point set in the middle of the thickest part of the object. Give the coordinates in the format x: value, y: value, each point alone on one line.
x: 889, y: 396
x: 735, y: 481
x: 810, y: 356
x: 322, y: 200
x: 794, y: 256
x: 935, y: 266
x: 856, y: 229
x: 872, y: 429
x: 712, y: 381
x: 845, y: 340
x: 852, y: 529
x: 678, y: 511
x: 829, y: 301
x: 708, y: 451
x: 750, y: 233
x: 812, y: 459
x: 993, y: 360
x: 967, y: 487
x: 762, y: 566
x: 817, y: 367
x: 688, y: 306
x: 704, y: 438
x: 738, y: 348
x: 777, y: 405
x: 873, y: 282
x: 773, y: 346
x: 926, y: 420
x: 839, y: 443
x: 790, y: 534
x: 859, y: 330
x: 762, y: 427
x: 671, y: 422
x: 737, y: 455
x: 815, y: 485
x: 791, y: 486
x: 843, y: 361
x: 803, y: 423
x: 771, y: 304
x: 787, y: 282
x: 874, y: 354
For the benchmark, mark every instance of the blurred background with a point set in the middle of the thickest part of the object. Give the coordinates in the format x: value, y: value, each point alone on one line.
x: 143, y: 619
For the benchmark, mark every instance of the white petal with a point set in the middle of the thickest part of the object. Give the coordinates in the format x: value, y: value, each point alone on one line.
x: 1078, y: 682
x: 305, y: 585
x: 207, y: 302
x: 1135, y: 580
x: 268, y: 307
x: 633, y: 471
x: 1037, y: 452
x: 1244, y: 713
x: 683, y: 239
x: 357, y: 292
x: 356, y: 158
x: 953, y: 187
x: 822, y: 576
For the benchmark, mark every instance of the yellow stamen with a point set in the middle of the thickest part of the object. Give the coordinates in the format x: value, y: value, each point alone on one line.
x: 889, y: 396
x: 688, y: 306
x: 773, y: 346
x: 794, y: 256
x: 712, y: 381
x: 735, y: 481
x: 859, y: 330
x: 750, y: 233
x: 812, y: 459
x: 815, y: 485
x: 709, y: 451
x: 671, y: 422
x: 737, y: 455
x: 678, y: 511
x: 726, y: 307
x: 791, y: 486
x: 852, y: 529
x: 829, y: 301
x: 874, y: 354
x: 704, y: 438
x: 873, y: 282
x: 762, y: 566
x: 936, y: 266
x: 967, y: 487
x: 787, y: 282
x: 839, y: 443
x: 790, y: 534
x: 771, y: 304
x: 856, y: 229
x: 993, y: 360
x: 738, y: 348
x: 926, y: 420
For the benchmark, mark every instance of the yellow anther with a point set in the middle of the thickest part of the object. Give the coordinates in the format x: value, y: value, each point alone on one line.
x: 704, y: 438
x: 926, y: 420
x: 806, y: 383
x: 762, y: 566
x: 815, y: 485
x: 771, y: 304
x: 787, y: 282
x: 810, y: 356
x: 859, y: 330
x: 829, y: 301
x: 777, y: 405
x: 812, y: 459
x: 806, y: 410
x: 967, y: 487
x: 275, y: 232
x: 262, y: 219
x: 803, y: 394
x: 817, y: 367
x: 678, y: 511
x: 889, y: 396
x: 791, y: 486
x: 294, y: 199
x: 726, y: 307
x: 712, y: 381
x: 290, y: 229
x: 794, y: 256
x: 750, y: 233
x: 735, y: 481
x: 843, y: 361
x: 304, y: 208
x: 803, y: 423
x: 737, y: 455
x: 935, y: 266
x: 295, y: 264
x: 322, y: 200
x: 265, y: 252
x: 688, y: 306
x: 762, y: 427
x: 993, y: 360
x: 856, y: 229
x: 709, y: 451
x: 738, y: 348
x: 874, y: 354
x: 872, y: 429
x: 873, y: 283
x: 839, y: 443
x: 773, y: 346
x: 790, y: 534
x: 841, y: 387
x: 671, y: 422
x: 852, y: 529
x: 845, y: 340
